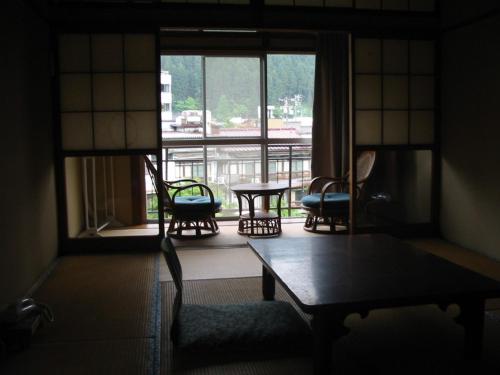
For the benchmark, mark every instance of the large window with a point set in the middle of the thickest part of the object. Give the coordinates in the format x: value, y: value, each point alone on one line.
x: 229, y: 127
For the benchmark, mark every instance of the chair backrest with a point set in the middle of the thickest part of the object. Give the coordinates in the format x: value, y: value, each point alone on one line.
x: 173, y: 263
x: 153, y: 174
x: 174, y: 266
x: 365, y: 163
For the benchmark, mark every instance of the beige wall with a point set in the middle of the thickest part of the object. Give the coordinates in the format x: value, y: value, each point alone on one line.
x: 28, y: 230
x: 74, y: 196
x: 470, y: 208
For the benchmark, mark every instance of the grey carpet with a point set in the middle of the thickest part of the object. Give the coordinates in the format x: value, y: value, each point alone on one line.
x: 413, y: 340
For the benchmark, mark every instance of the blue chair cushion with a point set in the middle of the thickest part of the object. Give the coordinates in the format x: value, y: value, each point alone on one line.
x: 331, y: 201
x: 245, y: 327
x: 195, y: 203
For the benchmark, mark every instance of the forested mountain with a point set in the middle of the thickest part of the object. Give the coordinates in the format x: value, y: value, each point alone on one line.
x: 233, y: 83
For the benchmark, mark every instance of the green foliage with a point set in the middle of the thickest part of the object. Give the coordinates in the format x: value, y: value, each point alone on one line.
x: 189, y: 103
x: 235, y: 82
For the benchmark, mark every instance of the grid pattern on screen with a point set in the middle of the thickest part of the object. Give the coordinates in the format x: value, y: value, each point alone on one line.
x: 394, y: 91
x: 108, y: 91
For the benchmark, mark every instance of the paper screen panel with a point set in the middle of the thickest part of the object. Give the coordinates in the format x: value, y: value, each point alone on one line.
x: 422, y: 5
x: 309, y: 3
x: 108, y: 92
x: 395, y: 56
x: 339, y: 3
x: 368, y: 127
x: 395, y: 127
x: 76, y: 131
x: 396, y: 92
x: 242, y: 2
x: 367, y: 56
x: 74, y: 54
x: 279, y: 2
x: 422, y: 92
x: 368, y: 4
x: 422, y: 57
x: 107, y: 52
x: 368, y: 92
x: 140, y: 91
x: 141, y: 130
x: 395, y: 4
x: 140, y: 53
x: 109, y: 130
x: 421, y: 127
x: 75, y: 92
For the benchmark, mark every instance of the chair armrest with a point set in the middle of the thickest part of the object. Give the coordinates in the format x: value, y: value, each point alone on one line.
x: 176, y: 184
x: 318, y: 182
x: 202, y: 187
x: 338, y: 181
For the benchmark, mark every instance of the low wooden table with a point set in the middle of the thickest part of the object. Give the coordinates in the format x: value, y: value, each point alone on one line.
x: 259, y: 223
x: 332, y: 277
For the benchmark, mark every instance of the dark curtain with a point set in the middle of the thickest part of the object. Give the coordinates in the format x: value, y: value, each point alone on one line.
x: 330, y: 110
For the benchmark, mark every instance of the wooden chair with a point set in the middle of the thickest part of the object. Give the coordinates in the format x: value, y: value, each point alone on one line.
x: 189, y: 211
x: 327, y: 200
x: 266, y: 327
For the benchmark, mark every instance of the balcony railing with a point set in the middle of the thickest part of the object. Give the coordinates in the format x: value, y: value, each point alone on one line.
x: 221, y: 167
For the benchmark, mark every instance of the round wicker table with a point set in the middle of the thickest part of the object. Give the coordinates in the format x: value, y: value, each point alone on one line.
x: 259, y: 223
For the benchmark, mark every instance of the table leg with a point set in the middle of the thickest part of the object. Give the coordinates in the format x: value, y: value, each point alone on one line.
x: 268, y: 285
x: 251, y: 212
x: 472, y: 319
x: 322, y: 346
x: 327, y: 326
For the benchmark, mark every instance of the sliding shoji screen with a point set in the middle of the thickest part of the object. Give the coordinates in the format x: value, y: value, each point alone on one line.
x: 394, y: 114
x: 394, y: 92
x: 401, y: 5
x: 108, y: 91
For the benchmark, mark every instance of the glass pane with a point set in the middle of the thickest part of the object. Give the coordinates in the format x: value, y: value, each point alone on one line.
x: 75, y: 92
x: 232, y: 165
x: 368, y: 127
x: 290, y: 95
x: 368, y: 92
x: 140, y: 53
x: 184, y: 163
x: 233, y: 96
x: 290, y: 164
x: 76, y: 131
x: 396, y: 92
x: 395, y: 127
x: 74, y: 53
x: 398, y: 190
x: 367, y: 56
x: 185, y: 97
x: 108, y: 92
x: 395, y: 56
x: 141, y: 130
x: 109, y: 130
x: 107, y: 53
x: 422, y: 57
x: 422, y: 127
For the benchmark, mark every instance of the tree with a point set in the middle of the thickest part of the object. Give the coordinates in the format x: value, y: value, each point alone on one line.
x: 189, y: 103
